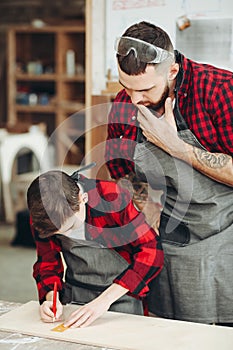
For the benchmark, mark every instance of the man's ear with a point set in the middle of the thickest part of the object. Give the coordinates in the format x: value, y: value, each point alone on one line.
x: 85, y: 197
x: 173, y: 71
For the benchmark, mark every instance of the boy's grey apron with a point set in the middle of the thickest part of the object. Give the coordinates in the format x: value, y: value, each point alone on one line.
x: 90, y: 270
x: 196, y: 283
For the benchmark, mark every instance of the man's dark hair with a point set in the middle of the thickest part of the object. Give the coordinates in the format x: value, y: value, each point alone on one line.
x: 150, y: 33
x: 52, y: 198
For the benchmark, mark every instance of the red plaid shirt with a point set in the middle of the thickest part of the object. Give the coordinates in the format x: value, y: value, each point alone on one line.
x: 108, y: 207
x: 205, y: 100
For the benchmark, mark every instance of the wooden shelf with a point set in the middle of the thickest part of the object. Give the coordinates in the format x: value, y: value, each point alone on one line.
x: 44, y: 50
x: 34, y: 77
x: 68, y: 78
x: 79, y: 27
x: 71, y: 106
x: 35, y: 109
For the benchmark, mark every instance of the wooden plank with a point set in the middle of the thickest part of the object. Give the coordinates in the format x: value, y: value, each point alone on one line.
x: 122, y: 331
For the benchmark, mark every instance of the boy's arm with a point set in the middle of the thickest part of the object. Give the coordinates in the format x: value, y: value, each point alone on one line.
x: 48, y: 267
x: 89, y: 312
x: 146, y: 263
x: 132, y: 238
x: 146, y: 254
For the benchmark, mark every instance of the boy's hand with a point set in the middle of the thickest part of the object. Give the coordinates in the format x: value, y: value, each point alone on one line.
x: 87, y: 313
x: 46, y: 310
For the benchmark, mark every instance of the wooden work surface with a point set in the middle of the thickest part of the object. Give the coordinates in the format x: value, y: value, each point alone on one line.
x: 116, y: 331
x: 22, y: 341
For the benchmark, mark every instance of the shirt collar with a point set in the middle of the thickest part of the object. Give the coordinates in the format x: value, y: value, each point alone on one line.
x: 180, y: 75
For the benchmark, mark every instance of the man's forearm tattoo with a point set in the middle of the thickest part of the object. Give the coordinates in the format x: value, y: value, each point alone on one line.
x: 212, y: 160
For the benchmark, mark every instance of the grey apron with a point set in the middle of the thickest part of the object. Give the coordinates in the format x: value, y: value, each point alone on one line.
x: 196, y: 228
x: 90, y: 270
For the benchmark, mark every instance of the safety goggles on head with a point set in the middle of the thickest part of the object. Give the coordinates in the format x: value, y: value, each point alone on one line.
x: 144, y: 51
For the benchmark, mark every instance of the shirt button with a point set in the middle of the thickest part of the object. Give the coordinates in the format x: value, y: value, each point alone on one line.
x: 121, y: 136
x: 133, y: 117
x: 185, y: 94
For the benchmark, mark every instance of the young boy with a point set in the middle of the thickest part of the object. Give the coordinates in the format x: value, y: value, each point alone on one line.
x: 111, y: 253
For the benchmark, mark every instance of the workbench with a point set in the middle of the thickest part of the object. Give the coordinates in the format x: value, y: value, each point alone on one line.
x: 12, y: 341
x: 22, y: 328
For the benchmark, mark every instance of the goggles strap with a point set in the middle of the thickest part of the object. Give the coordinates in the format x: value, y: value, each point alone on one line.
x: 76, y: 175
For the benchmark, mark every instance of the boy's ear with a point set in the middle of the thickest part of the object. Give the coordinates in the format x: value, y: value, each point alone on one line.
x: 85, y: 197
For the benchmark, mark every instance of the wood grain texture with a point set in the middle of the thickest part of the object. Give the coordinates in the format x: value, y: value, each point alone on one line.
x: 122, y: 331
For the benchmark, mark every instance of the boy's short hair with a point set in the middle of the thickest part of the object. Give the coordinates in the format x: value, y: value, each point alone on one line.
x: 52, y: 198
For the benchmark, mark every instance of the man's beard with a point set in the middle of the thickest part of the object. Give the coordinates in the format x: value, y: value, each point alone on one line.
x: 158, y: 105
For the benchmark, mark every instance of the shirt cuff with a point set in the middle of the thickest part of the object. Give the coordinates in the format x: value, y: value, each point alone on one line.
x: 132, y: 281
